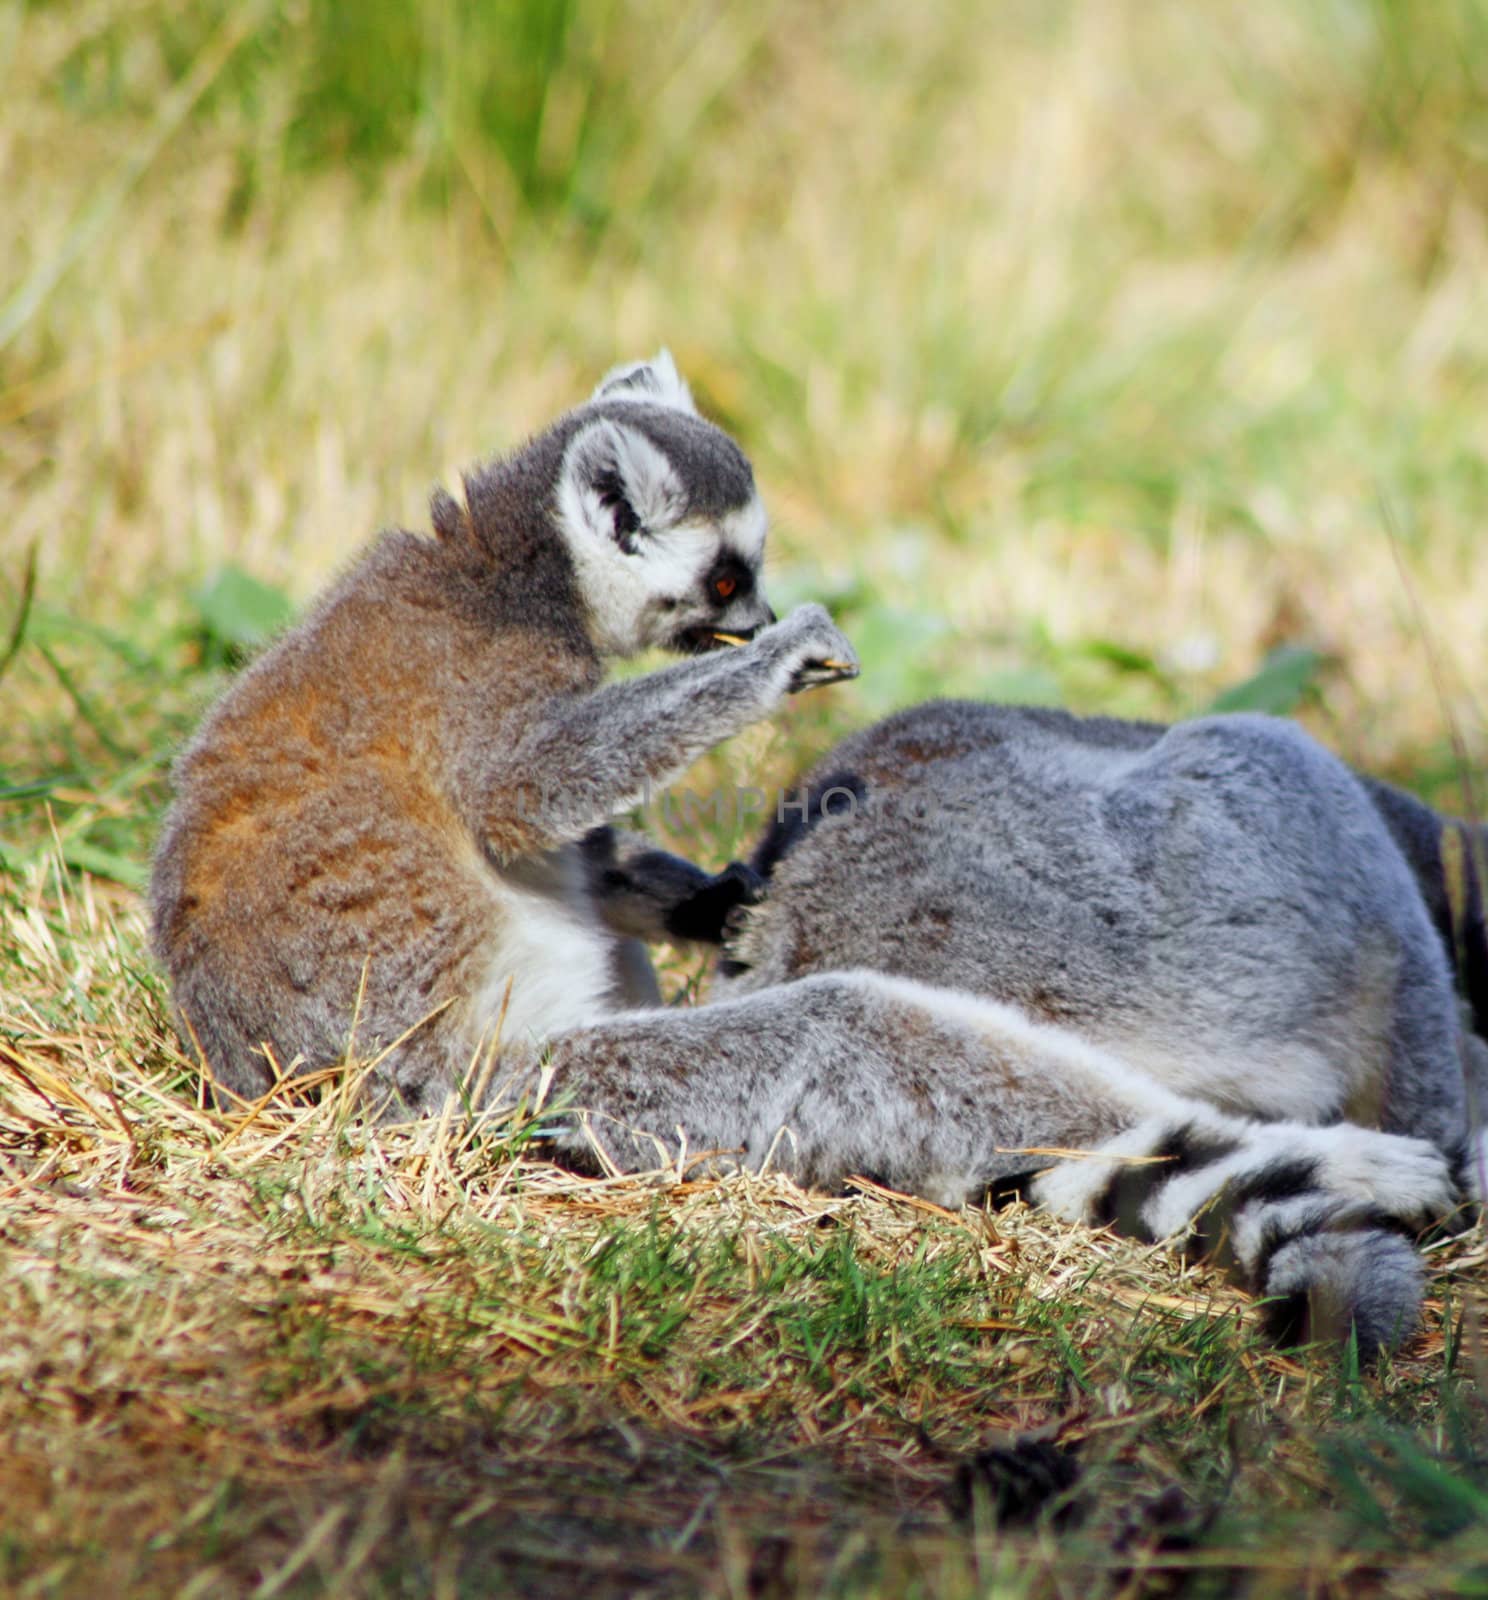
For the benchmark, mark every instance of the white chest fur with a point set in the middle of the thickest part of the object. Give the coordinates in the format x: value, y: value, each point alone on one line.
x: 551, y: 949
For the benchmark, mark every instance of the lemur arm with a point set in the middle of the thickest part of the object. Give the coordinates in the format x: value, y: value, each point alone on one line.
x: 944, y: 1095
x: 647, y: 893
x: 598, y: 754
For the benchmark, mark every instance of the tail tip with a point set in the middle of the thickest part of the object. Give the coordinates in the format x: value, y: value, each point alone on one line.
x: 1324, y: 1286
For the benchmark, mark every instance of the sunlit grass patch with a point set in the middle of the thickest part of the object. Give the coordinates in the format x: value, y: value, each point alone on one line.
x: 278, y: 1341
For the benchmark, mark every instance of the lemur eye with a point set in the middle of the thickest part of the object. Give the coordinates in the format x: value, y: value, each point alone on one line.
x: 728, y: 578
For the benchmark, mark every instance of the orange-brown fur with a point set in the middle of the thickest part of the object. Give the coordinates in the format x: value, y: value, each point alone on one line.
x: 313, y: 828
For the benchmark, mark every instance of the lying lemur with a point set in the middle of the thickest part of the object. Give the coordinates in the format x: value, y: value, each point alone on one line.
x: 991, y: 932
x: 393, y: 828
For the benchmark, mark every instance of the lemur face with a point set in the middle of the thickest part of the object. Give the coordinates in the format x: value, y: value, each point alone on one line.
x: 661, y: 516
x: 711, y: 584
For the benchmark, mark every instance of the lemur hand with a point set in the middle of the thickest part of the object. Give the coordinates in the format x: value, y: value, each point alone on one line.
x: 705, y: 916
x: 814, y: 647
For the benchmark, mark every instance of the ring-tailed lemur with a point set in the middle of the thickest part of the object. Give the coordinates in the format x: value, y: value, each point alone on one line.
x: 396, y: 820
x: 1201, y: 953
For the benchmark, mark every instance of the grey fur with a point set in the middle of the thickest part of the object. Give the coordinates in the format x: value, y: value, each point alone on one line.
x: 1221, y: 902
x: 379, y: 825
x: 1201, y: 943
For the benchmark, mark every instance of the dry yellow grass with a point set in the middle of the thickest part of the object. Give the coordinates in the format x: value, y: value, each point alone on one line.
x: 278, y: 1349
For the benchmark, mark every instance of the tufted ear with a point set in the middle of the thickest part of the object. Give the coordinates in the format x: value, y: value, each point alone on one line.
x: 616, y: 485
x: 449, y: 517
x: 656, y: 381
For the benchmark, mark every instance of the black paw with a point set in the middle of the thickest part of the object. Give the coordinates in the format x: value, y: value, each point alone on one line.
x: 704, y: 917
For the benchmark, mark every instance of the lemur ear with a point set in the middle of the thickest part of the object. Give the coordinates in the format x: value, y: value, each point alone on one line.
x: 615, y: 484
x: 656, y: 381
x: 449, y: 517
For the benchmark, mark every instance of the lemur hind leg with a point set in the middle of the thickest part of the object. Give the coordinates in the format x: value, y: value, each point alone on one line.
x: 942, y: 1094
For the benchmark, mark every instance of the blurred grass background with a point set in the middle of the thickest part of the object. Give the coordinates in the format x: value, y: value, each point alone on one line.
x: 1088, y: 350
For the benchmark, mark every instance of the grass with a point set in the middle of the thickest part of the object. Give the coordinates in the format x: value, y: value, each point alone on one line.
x: 1125, y: 355
x: 281, y: 1351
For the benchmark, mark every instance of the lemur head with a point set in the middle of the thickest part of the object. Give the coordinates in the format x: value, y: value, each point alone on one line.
x: 660, y: 514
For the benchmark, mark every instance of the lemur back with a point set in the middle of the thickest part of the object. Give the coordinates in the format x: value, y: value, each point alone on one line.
x: 1222, y: 902
x: 392, y: 829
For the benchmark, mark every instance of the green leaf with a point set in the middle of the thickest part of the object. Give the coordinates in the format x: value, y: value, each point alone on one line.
x: 241, y: 612
x: 1284, y: 680
x: 77, y: 856
x: 36, y: 789
x: 83, y: 857
x: 1125, y: 658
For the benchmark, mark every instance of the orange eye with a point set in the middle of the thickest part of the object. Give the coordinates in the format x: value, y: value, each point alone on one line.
x: 724, y: 587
